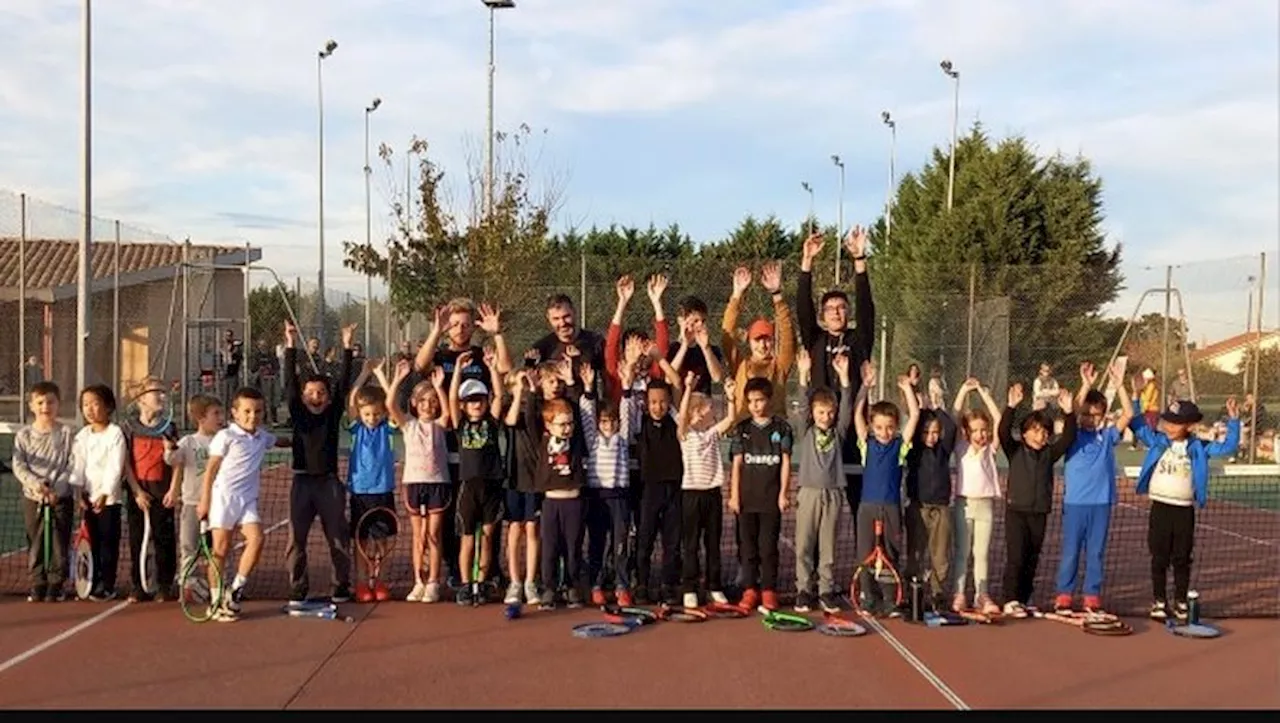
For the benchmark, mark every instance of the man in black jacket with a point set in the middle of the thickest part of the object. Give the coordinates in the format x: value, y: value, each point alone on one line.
x: 830, y: 335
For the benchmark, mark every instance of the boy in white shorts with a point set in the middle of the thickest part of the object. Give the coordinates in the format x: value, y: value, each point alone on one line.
x: 229, y: 500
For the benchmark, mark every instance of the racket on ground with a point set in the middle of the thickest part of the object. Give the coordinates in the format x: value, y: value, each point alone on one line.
x: 786, y: 622
x: 725, y: 611
x: 316, y: 610
x: 681, y: 614
x: 375, y: 540
x: 601, y: 630
x: 943, y: 618
x: 82, y: 561
x: 201, y: 581
x: 1092, y: 623
x: 840, y: 627
x: 882, y: 572
x: 629, y: 615
x: 977, y: 616
x: 147, y: 559
x: 1192, y: 630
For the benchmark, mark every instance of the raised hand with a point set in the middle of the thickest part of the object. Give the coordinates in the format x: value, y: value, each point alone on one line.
x: 690, y: 380
x: 1116, y: 375
x: 371, y: 363
x: 490, y: 319
x: 571, y: 351
x: 856, y: 242
x: 728, y: 388
x: 804, y: 363
x: 904, y: 383
x: 632, y: 351
x: 840, y: 362
x: 1015, y: 394
x: 463, y: 361
x: 741, y: 280
x: 289, y: 329
x: 971, y: 384
x: 437, y: 376
x: 771, y: 276
x: 657, y: 287
x: 587, y: 374
x: 564, y: 368
x: 701, y: 336
x: 626, y: 374
x: 490, y: 356
x: 441, y: 320
x: 1088, y: 374
x: 348, y: 335
x: 532, y: 355
x: 812, y: 246
x: 868, y: 374
x: 1233, y: 407
x: 626, y: 288
x: 1064, y: 399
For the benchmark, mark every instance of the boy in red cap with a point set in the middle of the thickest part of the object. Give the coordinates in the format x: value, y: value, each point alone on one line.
x: 763, y: 359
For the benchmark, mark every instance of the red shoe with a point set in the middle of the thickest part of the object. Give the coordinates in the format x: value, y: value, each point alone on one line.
x: 770, y: 602
x: 750, y: 599
x: 623, y: 597
x: 363, y: 593
x: 381, y: 593
x: 1062, y: 604
x: 597, y: 597
x: 1092, y: 604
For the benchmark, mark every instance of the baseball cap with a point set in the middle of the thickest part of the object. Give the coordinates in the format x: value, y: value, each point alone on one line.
x: 472, y: 388
x: 759, y: 328
x: 1183, y: 411
x: 1148, y: 374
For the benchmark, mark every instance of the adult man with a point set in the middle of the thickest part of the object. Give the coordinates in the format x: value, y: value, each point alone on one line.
x: 831, y: 335
x: 566, y: 334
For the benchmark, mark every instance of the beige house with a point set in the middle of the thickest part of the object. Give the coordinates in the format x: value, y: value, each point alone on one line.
x: 136, y: 288
x: 1228, y: 354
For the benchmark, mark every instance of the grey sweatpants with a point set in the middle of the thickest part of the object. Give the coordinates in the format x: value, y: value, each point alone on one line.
x: 188, y: 537
x: 817, y: 509
x: 891, y: 516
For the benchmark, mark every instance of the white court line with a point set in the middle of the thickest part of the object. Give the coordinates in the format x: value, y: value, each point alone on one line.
x: 85, y: 625
x: 930, y: 677
x: 1212, y: 528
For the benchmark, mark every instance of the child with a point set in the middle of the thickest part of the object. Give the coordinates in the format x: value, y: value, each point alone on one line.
x: 702, y: 508
x: 759, y: 491
x: 188, y: 461
x: 316, y: 489
x: 976, y: 490
x: 1175, y: 475
x: 524, y: 504
x: 1089, y: 492
x: 425, y: 486
x: 232, y: 480
x: 150, y: 479
x: 1030, y: 498
x: 661, y: 472
x: 883, y: 450
x: 479, y: 468
x: 371, y: 469
x: 42, y: 465
x: 820, y: 483
x: 762, y: 361
x: 98, y: 457
x: 608, y: 475
x: 929, y: 513
x: 560, y: 478
x: 616, y: 339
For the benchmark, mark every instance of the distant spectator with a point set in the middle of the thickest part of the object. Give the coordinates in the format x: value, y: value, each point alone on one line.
x: 1045, y: 388
x: 1181, y: 388
x: 32, y: 373
x: 937, y: 389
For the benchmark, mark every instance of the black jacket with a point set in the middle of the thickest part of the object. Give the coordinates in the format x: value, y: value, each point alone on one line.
x: 929, y: 468
x: 1031, y: 470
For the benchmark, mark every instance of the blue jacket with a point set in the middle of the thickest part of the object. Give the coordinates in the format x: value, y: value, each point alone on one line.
x: 1198, y: 451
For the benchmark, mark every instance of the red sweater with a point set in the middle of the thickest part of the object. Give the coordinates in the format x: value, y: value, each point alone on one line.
x: 613, y: 355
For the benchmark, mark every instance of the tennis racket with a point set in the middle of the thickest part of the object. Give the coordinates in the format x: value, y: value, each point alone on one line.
x: 977, y: 616
x: 82, y: 562
x: 681, y: 614
x: 46, y: 535
x: 1093, y: 623
x: 839, y: 627
x: 375, y: 540
x: 316, y: 610
x: 878, y: 565
x: 146, y: 561
x: 786, y: 622
x: 943, y: 618
x: 1192, y: 630
x: 628, y: 615
x: 477, y: 587
x: 201, y: 581
x: 725, y: 611
x: 601, y: 630
x: 150, y: 411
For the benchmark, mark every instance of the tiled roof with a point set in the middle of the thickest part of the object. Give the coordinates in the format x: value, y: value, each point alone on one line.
x: 1230, y: 344
x: 53, y: 263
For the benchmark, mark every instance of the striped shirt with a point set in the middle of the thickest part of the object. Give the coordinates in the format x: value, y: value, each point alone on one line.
x: 703, y: 463
x: 608, y: 458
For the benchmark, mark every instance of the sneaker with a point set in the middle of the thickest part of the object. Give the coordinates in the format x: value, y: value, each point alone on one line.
x: 1181, y: 611
x: 750, y: 598
x: 225, y: 615
x: 1093, y: 605
x: 531, y: 592
x: 234, y: 602
x: 573, y: 597
x: 102, y: 595
x: 1159, y: 611
x: 959, y: 603
x: 623, y: 597
x: 548, y: 599
x: 691, y: 600
x: 381, y: 592
x: 463, y: 596
x: 299, y: 595
x: 642, y: 595
x: 597, y: 597
x: 431, y: 593
x: 719, y: 597
x: 670, y: 598
x: 829, y: 602
x: 56, y: 594
x: 341, y: 593
x: 513, y: 594
x: 1062, y: 604
x: 415, y: 595
x: 1015, y: 609
x: 364, y: 594
x: 36, y: 595
x: 769, y: 601
x: 804, y: 602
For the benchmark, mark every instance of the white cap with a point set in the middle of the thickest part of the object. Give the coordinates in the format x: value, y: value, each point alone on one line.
x: 1148, y: 374
x: 472, y: 388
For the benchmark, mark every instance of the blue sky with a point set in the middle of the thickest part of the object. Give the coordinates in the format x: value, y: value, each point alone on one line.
x: 655, y: 110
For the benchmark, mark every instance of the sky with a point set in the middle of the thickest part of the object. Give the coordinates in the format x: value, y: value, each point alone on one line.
x: 205, y: 120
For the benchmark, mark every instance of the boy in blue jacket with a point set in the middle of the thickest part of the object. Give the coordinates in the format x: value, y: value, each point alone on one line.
x: 1175, y: 475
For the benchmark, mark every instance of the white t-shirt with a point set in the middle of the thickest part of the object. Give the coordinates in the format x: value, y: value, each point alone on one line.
x: 426, y: 454
x: 976, y: 473
x: 98, y: 463
x: 193, y: 454
x: 241, y: 455
x: 1171, y: 479
x: 703, y: 464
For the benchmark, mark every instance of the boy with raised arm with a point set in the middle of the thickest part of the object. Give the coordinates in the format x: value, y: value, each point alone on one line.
x: 694, y: 352
x: 371, y: 466
x: 763, y: 360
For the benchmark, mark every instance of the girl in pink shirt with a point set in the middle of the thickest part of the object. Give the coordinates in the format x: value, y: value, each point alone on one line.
x: 976, y: 490
x: 425, y: 485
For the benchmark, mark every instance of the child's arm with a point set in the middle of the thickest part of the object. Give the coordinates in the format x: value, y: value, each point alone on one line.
x: 446, y: 419
x: 1058, y: 449
x: 34, y: 487
x: 677, y: 361
x: 491, y: 324
x: 682, y: 419
x: 1126, y: 410
x: 735, y: 483
x: 353, y: 409
x: 771, y: 280
x: 1004, y: 430
x: 992, y: 407
x: 1088, y: 377
x: 1229, y: 444
x: 784, y: 486
x: 913, y: 408
x: 709, y: 355
x: 731, y: 409
x: 587, y: 406
x: 496, y: 392
x: 656, y: 287
x: 860, y: 405
x: 844, y: 412
x: 962, y: 395
x: 625, y: 287
x: 455, y: 404
x: 517, y: 400
x: 289, y: 371
x: 397, y: 414
x: 804, y: 365
x: 673, y: 376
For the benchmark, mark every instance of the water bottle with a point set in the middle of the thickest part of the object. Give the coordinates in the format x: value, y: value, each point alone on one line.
x: 1193, y: 607
x: 917, y: 600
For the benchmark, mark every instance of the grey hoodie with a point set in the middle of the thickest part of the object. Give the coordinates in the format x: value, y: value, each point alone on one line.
x: 823, y: 469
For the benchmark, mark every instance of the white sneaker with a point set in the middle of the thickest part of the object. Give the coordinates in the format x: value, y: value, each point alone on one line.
x: 531, y: 592
x: 431, y: 593
x: 416, y: 594
x: 513, y: 594
x: 691, y: 600
x: 719, y: 598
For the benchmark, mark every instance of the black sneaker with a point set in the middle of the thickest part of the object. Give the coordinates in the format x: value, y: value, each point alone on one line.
x: 829, y: 602
x: 804, y: 602
x: 573, y: 597
x: 56, y: 594
x: 463, y: 596
x: 299, y: 595
x: 341, y: 594
x: 641, y: 596
x: 237, y: 598
x: 36, y: 595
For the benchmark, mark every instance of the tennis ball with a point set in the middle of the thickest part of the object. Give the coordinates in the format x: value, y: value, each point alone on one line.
x: 511, y: 612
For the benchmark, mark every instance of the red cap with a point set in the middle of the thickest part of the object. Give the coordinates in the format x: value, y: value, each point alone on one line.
x: 759, y: 328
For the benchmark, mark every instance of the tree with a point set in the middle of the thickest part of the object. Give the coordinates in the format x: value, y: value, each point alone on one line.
x: 1024, y: 235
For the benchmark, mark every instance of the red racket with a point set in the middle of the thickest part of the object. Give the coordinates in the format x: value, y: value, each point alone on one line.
x: 882, y: 572
x: 1093, y: 623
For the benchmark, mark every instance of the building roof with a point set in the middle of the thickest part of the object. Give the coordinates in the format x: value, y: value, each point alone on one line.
x: 1230, y: 344
x: 51, y: 265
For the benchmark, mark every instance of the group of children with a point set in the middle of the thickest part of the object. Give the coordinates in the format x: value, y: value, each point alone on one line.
x: 547, y: 452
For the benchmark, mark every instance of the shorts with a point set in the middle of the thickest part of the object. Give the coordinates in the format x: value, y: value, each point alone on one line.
x: 377, y: 527
x: 433, y: 496
x: 523, y: 506
x: 479, y: 503
x: 231, y: 509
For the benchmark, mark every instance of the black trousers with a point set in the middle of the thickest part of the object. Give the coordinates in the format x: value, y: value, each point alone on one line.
x: 608, y: 519
x: 1023, y: 541
x: 660, y: 512
x: 758, y: 533
x: 104, y: 541
x: 48, y: 574
x: 849, y: 454
x: 1171, y: 536
x: 325, y: 497
x: 702, y: 518
x: 163, y: 536
x: 560, y: 534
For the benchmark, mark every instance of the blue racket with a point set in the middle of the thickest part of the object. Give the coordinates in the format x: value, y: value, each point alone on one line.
x: 601, y: 630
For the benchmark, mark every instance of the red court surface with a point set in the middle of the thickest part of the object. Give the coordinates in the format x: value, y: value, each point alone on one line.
x: 410, y: 655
